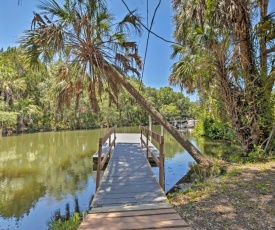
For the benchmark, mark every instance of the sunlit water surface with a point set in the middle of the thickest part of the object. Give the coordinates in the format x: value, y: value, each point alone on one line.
x: 45, y: 173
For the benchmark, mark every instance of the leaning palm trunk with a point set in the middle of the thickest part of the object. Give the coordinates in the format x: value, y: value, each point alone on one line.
x: 83, y: 32
x: 189, y: 147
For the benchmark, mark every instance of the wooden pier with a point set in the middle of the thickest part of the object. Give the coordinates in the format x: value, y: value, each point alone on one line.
x: 129, y: 196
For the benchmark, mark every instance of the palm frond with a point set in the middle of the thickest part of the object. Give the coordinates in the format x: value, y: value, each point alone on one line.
x: 130, y: 23
x: 53, y: 9
x: 82, y: 33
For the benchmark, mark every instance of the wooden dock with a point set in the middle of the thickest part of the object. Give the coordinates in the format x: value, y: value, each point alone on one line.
x: 129, y: 196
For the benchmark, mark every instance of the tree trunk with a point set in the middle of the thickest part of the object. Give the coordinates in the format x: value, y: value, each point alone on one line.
x: 263, y: 5
x: 251, y: 103
x: 189, y: 147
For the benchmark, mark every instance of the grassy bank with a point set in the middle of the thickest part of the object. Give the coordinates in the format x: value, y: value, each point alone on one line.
x: 243, y: 198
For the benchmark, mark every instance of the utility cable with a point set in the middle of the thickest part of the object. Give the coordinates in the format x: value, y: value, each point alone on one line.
x: 148, y: 36
x: 147, y: 9
x: 150, y: 31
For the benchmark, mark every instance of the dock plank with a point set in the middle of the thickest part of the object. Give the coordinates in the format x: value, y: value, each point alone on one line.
x: 135, y: 213
x: 143, y: 207
x: 132, y: 223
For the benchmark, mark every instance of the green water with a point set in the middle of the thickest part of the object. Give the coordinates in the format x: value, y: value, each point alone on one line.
x: 42, y: 173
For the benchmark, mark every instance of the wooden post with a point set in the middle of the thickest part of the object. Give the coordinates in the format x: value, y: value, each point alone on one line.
x: 161, y: 163
x: 115, y: 138
x: 98, y: 162
x: 147, y: 142
x: 150, y: 125
x: 140, y: 136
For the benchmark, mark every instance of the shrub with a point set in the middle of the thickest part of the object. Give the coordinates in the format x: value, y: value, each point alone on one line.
x: 70, y: 224
x: 215, y: 129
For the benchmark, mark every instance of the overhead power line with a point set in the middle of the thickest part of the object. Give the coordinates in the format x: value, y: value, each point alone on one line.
x: 150, y: 31
x: 147, y: 41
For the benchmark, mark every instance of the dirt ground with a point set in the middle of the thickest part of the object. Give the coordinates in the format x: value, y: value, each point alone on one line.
x: 244, y: 198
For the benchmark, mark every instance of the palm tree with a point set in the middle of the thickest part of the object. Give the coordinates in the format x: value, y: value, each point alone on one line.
x: 82, y: 33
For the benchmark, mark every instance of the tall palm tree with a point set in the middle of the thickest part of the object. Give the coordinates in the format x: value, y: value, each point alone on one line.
x: 82, y: 32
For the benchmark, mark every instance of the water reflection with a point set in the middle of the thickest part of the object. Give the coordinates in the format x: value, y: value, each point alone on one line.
x: 43, y: 173
x: 218, y: 149
x: 43, y: 168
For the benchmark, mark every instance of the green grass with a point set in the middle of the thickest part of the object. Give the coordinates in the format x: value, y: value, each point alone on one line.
x: 71, y: 224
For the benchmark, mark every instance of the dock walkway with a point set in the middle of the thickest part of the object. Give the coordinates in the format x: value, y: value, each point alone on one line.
x: 129, y: 196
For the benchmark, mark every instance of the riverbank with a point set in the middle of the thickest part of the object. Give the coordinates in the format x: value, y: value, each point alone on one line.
x: 243, y: 198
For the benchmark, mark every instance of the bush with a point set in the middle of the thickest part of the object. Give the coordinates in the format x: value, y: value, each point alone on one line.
x: 70, y: 224
x: 214, y: 129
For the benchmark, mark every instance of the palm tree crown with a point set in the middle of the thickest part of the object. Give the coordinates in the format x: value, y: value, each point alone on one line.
x: 84, y: 35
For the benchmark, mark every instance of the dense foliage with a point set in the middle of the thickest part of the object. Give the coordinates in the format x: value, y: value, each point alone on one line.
x: 227, y: 56
x: 29, y: 100
x: 214, y: 129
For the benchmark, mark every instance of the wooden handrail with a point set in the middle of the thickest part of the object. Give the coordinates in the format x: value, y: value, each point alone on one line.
x: 108, y: 153
x: 108, y: 134
x: 151, y: 152
x: 101, y: 141
x: 159, y: 162
x: 154, y: 135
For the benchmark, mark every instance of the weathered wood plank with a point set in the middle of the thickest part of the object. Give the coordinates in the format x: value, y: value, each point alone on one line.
x: 155, y: 198
x: 124, y: 175
x: 127, y: 182
x: 101, y: 192
x: 133, y: 179
x: 130, y: 223
x: 162, y: 206
x: 146, y: 195
x: 134, y: 213
x: 140, y: 218
x: 128, y: 200
x: 130, y: 186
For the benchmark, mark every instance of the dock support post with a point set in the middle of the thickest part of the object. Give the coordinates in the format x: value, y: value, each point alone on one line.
x: 161, y: 163
x: 150, y: 125
x: 115, y: 138
x: 98, y: 163
x: 140, y: 137
x: 147, y: 144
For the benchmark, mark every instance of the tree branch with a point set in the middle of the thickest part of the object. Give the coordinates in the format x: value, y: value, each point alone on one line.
x: 268, y: 51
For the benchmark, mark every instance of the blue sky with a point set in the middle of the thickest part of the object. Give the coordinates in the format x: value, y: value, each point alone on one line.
x: 15, y: 18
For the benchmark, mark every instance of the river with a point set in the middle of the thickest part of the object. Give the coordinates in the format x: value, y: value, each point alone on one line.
x: 46, y: 174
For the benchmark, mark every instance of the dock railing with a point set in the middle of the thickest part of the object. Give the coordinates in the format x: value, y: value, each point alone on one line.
x: 101, y: 141
x: 159, y: 161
